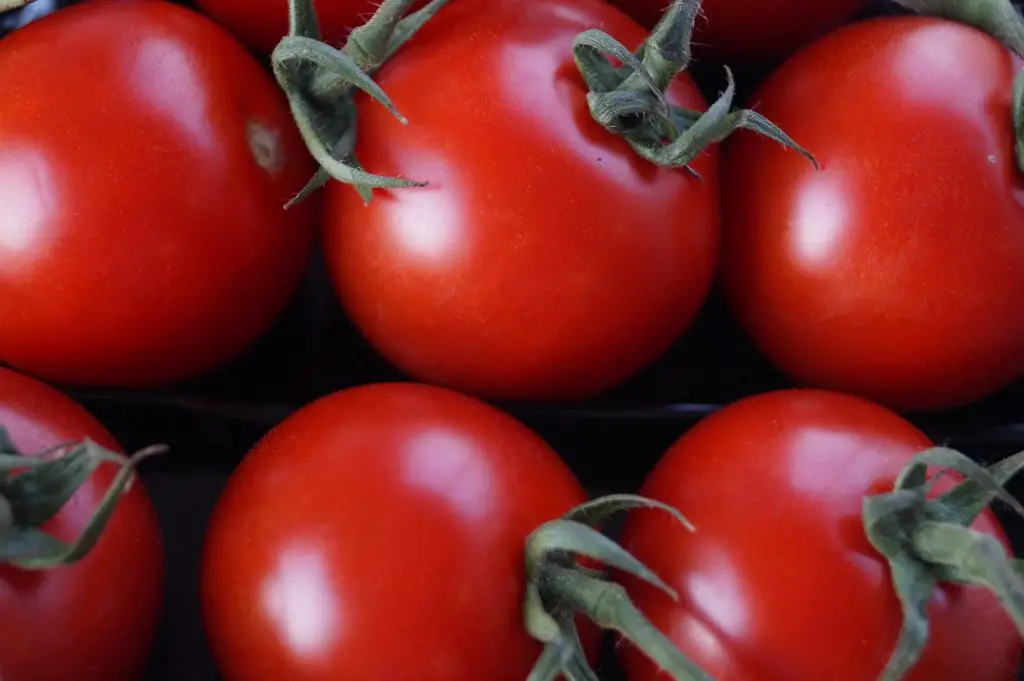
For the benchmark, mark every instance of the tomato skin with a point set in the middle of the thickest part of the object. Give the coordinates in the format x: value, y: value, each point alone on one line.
x: 261, y: 24
x: 379, y: 533
x: 779, y: 581
x: 866, y: 276
x: 545, y: 260
x: 94, y: 620
x: 753, y: 30
x: 142, y: 240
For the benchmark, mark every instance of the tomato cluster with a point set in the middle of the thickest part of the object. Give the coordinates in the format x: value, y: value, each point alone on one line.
x: 516, y: 202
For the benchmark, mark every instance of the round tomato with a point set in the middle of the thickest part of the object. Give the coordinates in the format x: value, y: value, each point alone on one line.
x: 895, y: 271
x: 751, y: 30
x: 93, y: 620
x: 545, y: 260
x: 379, y: 533
x: 262, y: 23
x: 141, y: 191
x: 779, y: 582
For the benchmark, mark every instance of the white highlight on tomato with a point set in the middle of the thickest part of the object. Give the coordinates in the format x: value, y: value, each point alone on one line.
x: 447, y: 464
x: 821, y: 217
x: 27, y: 200
x: 299, y: 595
x: 164, y: 72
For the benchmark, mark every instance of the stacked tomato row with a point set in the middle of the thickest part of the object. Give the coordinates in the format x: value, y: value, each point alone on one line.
x: 541, y: 253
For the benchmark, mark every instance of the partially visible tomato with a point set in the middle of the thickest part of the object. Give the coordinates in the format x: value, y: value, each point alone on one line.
x: 779, y: 582
x: 895, y: 272
x: 546, y: 259
x: 94, y: 620
x: 378, y: 533
x: 753, y: 30
x: 141, y: 191
x: 262, y: 23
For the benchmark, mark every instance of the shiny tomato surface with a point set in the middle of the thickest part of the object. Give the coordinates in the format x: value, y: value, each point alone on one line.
x: 779, y: 582
x: 94, y: 620
x: 142, y: 180
x: 545, y: 260
x: 752, y: 30
x: 896, y: 272
x: 262, y: 23
x: 378, y: 533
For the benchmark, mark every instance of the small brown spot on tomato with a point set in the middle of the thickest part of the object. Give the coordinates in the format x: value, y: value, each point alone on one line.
x: 265, y: 146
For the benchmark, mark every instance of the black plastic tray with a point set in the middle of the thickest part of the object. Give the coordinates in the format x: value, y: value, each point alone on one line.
x: 210, y: 423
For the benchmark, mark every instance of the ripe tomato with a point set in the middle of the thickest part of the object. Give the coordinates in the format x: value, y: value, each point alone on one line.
x: 751, y: 30
x: 379, y: 533
x: 545, y: 260
x: 866, y: 276
x: 141, y: 192
x: 779, y: 582
x: 94, y: 620
x: 262, y: 23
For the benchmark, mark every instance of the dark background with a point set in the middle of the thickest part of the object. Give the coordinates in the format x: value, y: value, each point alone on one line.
x: 210, y: 423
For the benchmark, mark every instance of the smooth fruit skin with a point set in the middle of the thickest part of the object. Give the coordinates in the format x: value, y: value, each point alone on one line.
x: 142, y: 183
x: 895, y: 272
x: 261, y: 24
x: 545, y: 260
x: 379, y: 533
x: 753, y: 30
x: 94, y: 620
x: 779, y: 581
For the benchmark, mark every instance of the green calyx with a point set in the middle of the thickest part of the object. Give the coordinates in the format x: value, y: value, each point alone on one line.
x: 34, y: 488
x: 321, y: 81
x: 928, y: 541
x: 559, y: 589
x: 1001, y: 20
x: 629, y: 100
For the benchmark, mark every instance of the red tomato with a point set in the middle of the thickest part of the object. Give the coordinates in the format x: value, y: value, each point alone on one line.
x: 94, y: 620
x: 141, y: 190
x: 867, y: 276
x: 779, y: 582
x: 546, y: 260
x: 752, y: 30
x: 379, y: 533
x: 262, y: 23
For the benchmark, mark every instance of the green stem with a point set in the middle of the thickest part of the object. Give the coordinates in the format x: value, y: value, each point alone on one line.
x: 558, y: 587
x: 320, y: 83
x: 302, y: 19
x: 630, y: 100
x: 31, y: 496
x: 368, y: 44
x: 928, y: 540
x: 979, y: 558
x: 609, y: 606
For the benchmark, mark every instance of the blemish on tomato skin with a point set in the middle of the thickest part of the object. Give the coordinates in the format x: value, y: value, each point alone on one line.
x: 265, y: 145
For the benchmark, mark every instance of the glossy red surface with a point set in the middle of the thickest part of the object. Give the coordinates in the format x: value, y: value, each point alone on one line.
x: 895, y: 272
x: 142, y: 232
x: 262, y: 23
x: 779, y: 581
x: 753, y: 30
x: 378, y: 533
x: 94, y: 620
x: 545, y: 260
